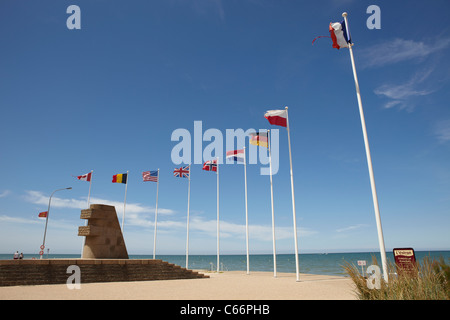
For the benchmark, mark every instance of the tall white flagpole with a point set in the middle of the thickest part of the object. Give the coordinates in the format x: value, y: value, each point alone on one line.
x: 246, y: 212
x: 293, y: 198
x: 218, y: 232
x: 369, y: 161
x: 273, y: 215
x: 187, y: 224
x: 89, y: 194
x: 88, y: 203
x: 124, y: 202
x: 156, y: 216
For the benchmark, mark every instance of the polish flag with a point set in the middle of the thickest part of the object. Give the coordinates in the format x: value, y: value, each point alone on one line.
x: 276, y: 117
x: 85, y: 177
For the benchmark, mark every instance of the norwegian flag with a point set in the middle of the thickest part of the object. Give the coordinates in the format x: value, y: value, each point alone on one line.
x: 182, y: 172
x: 210, y: 165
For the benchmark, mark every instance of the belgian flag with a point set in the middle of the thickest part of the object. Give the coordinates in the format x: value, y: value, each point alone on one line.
x: 120, y: 178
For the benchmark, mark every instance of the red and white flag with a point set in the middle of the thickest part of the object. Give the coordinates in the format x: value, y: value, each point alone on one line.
x: 277, y: 117
x: 43, y: 214
x: 85, y: 177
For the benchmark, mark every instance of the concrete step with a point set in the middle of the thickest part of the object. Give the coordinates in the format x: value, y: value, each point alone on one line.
x: 54, y: 271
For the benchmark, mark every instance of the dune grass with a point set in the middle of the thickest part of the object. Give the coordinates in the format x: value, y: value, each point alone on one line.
x: 430, y: 280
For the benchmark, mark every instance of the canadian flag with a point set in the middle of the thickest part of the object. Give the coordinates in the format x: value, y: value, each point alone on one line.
x: 85, y: 177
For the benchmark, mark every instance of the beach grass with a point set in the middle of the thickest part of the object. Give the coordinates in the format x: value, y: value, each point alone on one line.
x: 429, y: 280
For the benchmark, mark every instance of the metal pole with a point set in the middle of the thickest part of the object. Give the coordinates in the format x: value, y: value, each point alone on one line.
x: 273, y: 215
x: 88, y: 203
x: 369, y: 162
x: 156, y: 217
x: 46, y: 219
x: 89, y: 195
x: 293, y: 198
x: 218, y: 233
x: 246, y: 212
x: 187, y: 231
x: 124, y: 203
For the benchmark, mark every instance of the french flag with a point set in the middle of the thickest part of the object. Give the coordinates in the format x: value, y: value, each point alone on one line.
x: 339, y: 35
x: 236, y: 155
x: 276, y: 117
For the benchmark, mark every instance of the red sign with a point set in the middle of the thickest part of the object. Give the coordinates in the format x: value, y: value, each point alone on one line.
x: 405, y: 260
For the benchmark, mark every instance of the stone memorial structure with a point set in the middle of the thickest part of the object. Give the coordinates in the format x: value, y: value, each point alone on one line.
x: 104, y: 239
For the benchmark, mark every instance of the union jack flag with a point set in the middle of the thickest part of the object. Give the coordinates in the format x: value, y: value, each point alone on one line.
x: 182, y: 172
x: 210, y: 165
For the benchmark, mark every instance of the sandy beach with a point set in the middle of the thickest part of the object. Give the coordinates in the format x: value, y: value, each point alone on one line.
x: 230, y: 285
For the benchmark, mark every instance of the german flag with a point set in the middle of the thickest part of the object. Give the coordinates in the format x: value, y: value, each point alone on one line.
x: 259, y: 139
x: 120, y: 178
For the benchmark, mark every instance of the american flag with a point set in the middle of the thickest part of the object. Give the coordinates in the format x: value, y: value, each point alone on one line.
x: 210, y: 165
x: 182, y: 172
x: 150, y: 176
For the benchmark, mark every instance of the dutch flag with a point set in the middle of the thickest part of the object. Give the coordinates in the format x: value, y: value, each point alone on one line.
x: 236, y: 155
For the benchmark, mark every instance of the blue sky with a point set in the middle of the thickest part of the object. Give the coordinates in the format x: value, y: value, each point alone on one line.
x: 107, y: 98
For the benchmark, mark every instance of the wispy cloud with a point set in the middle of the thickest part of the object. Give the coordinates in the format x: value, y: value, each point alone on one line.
x: 38, y: 197
x: 400, y: 94
x: 257, y: 232
x: 442, y: 130
x: 404, y: 96
x: 5, y: 193
x: 350, y: 228
x: 5, y: 218
x: 398, y: 50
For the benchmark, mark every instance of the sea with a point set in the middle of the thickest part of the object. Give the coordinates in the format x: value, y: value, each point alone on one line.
x: 310, y: 263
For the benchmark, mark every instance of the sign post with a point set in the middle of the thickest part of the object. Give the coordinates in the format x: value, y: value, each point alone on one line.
x: 362, y: 263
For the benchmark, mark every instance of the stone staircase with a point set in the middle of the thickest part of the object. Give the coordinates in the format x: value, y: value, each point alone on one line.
x: 54, y: 271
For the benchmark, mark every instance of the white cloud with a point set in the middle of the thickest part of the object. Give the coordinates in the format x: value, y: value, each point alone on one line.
x: 5, y: 193
x: 400, y: 94
x: 256, y: 232
x: 350, y: 228
x: 38, y: 197
x: 442, y: 130
x: 135, y: 215
x: 4, y: 219
x: 399, y: 50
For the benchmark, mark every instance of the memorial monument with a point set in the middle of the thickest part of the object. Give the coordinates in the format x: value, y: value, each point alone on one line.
x: 104, y: 239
